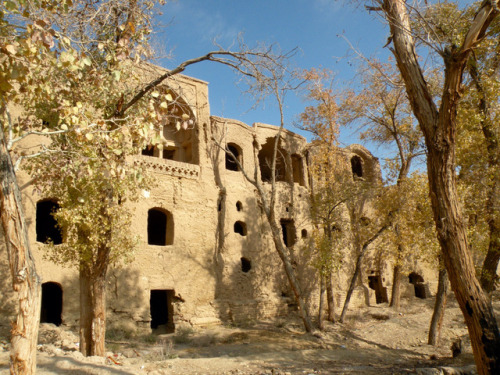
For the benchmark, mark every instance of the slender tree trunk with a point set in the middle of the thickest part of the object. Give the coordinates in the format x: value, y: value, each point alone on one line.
x: 92, y: 313
x: 396, y: 288
x: 330, y: 298
x: 439, y: 128
x: 25, y: 280
x: 439, y: 308
x: 290, y: 274
x: 357, y: 271
x: 350, y: 290
x: 489, y: 271
x: 85, y: 311
x: 492, y: 140
x: 321, y: 313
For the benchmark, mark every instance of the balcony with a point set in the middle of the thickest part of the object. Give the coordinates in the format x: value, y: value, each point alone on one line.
x: 168, y: 167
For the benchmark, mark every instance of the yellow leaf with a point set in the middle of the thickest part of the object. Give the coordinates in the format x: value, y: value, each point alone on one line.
x: 89, y: 136
x: 11, y: 49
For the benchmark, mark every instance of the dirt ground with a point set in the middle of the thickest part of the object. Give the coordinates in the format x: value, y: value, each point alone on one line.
x: 374, y: 340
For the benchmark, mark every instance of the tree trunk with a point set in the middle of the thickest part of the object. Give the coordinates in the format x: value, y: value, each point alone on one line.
x: 25, y: 280
x: 350, y: 290
x: 321, y: 314
x: 475, y: 305
x: 439, y: 128
x: 439, y: 308
x: 92, y: 310
x: 92, y: 314
x: 330, y: 298
x: 492, y: 140
x: 489, y: 271
x: 290, y: 274
x: 396, y: 288
x: 357, y: 271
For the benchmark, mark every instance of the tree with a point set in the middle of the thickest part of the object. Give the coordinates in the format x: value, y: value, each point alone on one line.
x: 364, y: 231
x: 77, y: 83
x: 439, y: 128
x: 321, y: 119
x: 483, y: 67
x: 382, y: 112
x: 274, y: 79
x: 25, y: 49
x: 340, y: 198
x: 478, y: 143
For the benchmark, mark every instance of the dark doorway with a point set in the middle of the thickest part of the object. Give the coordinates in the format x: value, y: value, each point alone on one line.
x: 357, y: 166
x: 288, y: 231
x: 418, y: 283
x: 52, y: 297
x: 375, y: 283
x: 46, y: 226
x: 162, y: 310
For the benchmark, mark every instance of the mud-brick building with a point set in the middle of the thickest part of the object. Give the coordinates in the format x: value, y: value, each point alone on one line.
x: 205, y: 253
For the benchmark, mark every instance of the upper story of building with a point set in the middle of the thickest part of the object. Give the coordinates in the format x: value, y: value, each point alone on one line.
x: 197, y: 144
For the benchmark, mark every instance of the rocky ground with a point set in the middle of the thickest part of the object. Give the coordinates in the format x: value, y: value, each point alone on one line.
x: 374, y: 340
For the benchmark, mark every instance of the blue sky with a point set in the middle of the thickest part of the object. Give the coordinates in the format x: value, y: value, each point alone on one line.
x: 313, y: 26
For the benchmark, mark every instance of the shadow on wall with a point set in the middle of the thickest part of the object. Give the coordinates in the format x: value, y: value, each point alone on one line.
x: 129, y: 307
x: 132, y: 305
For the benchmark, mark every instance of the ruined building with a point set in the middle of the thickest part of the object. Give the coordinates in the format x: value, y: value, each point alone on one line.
x: 206, y: 254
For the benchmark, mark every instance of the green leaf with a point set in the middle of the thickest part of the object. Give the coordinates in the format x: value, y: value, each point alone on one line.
x: 116, y: 75
x: 11, y: 6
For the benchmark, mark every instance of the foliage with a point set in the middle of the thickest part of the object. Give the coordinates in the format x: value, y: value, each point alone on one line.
x: 413, y: 225
x: 84, y: 73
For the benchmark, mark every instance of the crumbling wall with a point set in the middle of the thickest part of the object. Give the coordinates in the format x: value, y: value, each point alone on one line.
x: 219, y: 262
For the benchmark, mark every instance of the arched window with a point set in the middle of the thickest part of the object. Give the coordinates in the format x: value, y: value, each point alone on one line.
x: 52, y: 302
x: 241, y: 228
x: 357, y: 166
x: 46, y: 226
x: 160, y: 227
x: 266, y: 161
x: 234, y: 149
